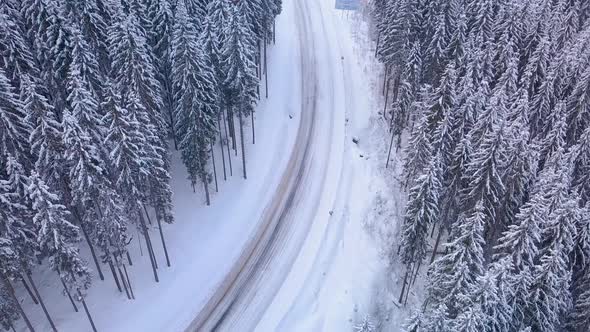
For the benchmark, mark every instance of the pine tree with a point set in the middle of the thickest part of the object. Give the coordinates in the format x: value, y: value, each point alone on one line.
x: 46, y: 136
x: 421, y: 213
x: 195, y: 97
x: 57, y: 237
x: 16, y: 59
x: 13, y: 128
x: 93, y: 28
x: 8, y: 312
x: 133, y: 68
x: 238, y: 61
x: 453, y: 276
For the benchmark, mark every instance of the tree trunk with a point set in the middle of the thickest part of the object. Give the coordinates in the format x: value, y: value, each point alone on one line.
x: 221, y: 146
x: 115, y: 276
x: 128, y: 282
x: 386, y: 72
x: 68, y: 293
x: 436, y: 244
x: 148, y: 244
x: 41, y: 302
x: 242, y: 143
x: 124, y: 283
x: 15, y: 299
x: 401, y: 295
x: 22, y: 279
x: 258, y: 60
x: 416, y: 274
x: 274, y: 31
x: 265, y: 69
x: 206, y: 185
x: 386, y: 100
x: 163, y: 241
x: 151, y: 247
x: 258, y: 89
x: 214, y: 168
x: 389, y: 153
x: 87, y: 312
x: 75, y: 212
x: 122, y: 276
x: 231, y: 173
x: 92, y: 252
x: 253, y: 132
x: 129, y: 258
x: 232, y: 129
x: 170, y: 113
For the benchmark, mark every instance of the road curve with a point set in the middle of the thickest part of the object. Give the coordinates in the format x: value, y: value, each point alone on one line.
x: 238, y: 303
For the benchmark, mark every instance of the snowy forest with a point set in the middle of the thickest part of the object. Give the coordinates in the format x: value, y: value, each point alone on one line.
x: 490, y: 102
x: 94, y: 96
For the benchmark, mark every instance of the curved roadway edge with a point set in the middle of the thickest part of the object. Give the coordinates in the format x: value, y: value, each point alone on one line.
x: 218, y: 306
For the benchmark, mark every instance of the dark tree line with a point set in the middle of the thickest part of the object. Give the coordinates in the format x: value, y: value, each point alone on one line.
x: 93, y: 93
x: 495, y: 99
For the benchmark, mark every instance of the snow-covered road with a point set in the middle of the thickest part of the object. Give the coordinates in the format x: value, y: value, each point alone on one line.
x: 280, y: 277
x: 306, y: 190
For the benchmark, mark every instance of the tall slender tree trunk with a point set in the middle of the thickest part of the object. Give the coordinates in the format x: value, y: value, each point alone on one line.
x: 385, y: 78
x: 68, y: 293
x: 115, y: 276
x: 128, y: 282
x: 265, y: 68
x: 232, y: 129
x: 87, y: 311
x: 386, y: 100
x: 206, y: 185
x: 129, y: 258
x: 231, y: 173
x: 258, y: 60
x: 242, y: 143
x: 22, y: 279
x: 148, y: 244
x: 214, y: 167
x: 15, y: 299
x: 75, y: 212
x: 401, y: 295
x: 389, y: 152
x: 221, y: 146
x: 415, y: 275
x: 163, y: 241
x: 253, y: 131
x: 123, y: 281
x: 170, y: 113
x: 274, y: 32
x: 41, y: 302
x: 151, y: 247
x: 85, y: 234
x: 436, y: 243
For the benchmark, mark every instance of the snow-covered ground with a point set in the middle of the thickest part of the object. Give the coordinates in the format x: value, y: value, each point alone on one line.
x: 343, y: 273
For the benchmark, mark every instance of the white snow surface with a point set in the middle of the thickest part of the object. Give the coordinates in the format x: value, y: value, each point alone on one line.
x: 343, y: 272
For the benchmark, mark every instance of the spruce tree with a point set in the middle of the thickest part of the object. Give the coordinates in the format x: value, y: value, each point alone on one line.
x: 195, y: 88
x: 57, y: 237
x: 238, y: 61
